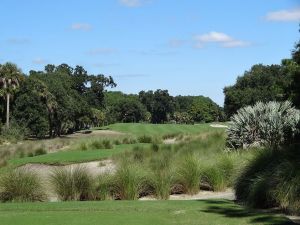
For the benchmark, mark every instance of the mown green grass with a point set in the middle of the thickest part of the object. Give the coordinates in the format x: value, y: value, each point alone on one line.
x: 210, y: 212
x: 72, y: 156
x: 139, y: 129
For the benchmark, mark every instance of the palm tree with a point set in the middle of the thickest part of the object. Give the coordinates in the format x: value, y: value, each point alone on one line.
x: 10, y: 76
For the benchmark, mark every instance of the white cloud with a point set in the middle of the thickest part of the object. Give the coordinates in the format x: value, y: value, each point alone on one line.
x: 102, y: 51
x: 223, y: 39
x: 81, y: 26
x: 284, y: 15
x: 39, y: 61
x: 131, y: 3
x: 213, y: 37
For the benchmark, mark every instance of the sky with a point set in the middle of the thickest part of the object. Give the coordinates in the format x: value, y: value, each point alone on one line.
x: 190, y: 47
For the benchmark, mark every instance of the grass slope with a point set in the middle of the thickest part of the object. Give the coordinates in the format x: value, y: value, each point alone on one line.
x: 67, y: 157
x: 209, y: 212
x: 139, y: 129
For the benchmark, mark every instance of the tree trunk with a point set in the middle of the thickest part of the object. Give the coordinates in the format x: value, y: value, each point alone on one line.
x: 7, y: 109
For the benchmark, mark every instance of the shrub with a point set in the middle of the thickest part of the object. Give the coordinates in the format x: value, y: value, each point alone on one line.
x: 271, y: 179
x: 97, y: 144
x: 4, y: 156
x: 107, y: 144
x: 14, y: 133
x: 127, y: 141
x: 83, y: 146
x: 155, y: 147
x: 30, y: 154
x: 170, y: 136
x: 189, y: 174
x: 269, y: 124
x: 73, y: 184
x: 40, y: 151
x: 117, y: 142
x: 21, y: 186
x: 145, y: 139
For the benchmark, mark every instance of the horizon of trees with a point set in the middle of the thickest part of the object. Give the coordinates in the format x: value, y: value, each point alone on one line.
x: 61, y: 99
x: 266, y: 83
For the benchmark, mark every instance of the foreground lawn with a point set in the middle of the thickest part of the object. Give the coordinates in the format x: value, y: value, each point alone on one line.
x: 139, y: 129
x: 67, y: 157
x: 209, y: 212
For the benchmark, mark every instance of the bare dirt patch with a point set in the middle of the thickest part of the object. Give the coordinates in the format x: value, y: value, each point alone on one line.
x: 202, y: 195
x: 95, y: 167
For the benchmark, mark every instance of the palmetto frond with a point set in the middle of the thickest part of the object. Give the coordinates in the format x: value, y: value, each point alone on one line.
x: 271, y: 124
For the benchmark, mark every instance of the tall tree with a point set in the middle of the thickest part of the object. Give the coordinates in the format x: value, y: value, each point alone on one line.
x: 295, y: 87
x: 10, y: 77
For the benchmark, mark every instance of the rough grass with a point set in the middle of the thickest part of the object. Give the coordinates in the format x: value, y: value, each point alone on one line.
x: 212, y: 212
x: 73, y: 184
x: 271, y: 178
x: 72, y: 156
x: 21, y: 186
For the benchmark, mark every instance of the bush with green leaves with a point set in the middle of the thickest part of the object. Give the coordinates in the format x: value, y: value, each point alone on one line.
x: 269, y: 124
x: 21, y: 186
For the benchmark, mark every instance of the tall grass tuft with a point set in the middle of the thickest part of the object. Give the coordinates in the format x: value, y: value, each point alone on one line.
x: 129, y: 179
x: 189, y: 174
x: 145, y: 139
x: 213, y: 178
x: 73, y: 184
x: 161, y: 182
x: 21, y: 186
x: 271, y: 179
x: 105, y: 186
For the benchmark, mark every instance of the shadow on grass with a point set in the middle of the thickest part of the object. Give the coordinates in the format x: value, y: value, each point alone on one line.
x: 227, y: 209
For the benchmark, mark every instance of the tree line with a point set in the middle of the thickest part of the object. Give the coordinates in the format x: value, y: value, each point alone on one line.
x: 61, y: 99
x: 266, y: 83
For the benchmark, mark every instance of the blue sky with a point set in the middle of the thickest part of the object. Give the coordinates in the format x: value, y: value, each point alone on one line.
x: 189, y: 47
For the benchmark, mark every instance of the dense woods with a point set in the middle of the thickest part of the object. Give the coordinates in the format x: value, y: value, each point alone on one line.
x: 265, y: 83
x: 62, y: 99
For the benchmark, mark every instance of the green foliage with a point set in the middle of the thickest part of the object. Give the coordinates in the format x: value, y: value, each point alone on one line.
x: 145, y: 139
x: 128, y: 110
x: 183, y: 118
x: 261, y: 83
x: 16, y: 132
x: 40, y: 151
x: 203, y: 109
x: 269, y: 124
x: 129, y: 181
x: 159, y: 103
x: 21, y: 186
x: 189, y: 174
x: 105, y: 186
x: 73, y: 184
x: 271, y: 178
x: 160, y: 183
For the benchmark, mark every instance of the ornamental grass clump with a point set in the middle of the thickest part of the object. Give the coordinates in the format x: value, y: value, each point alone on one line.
x: 21, y: 186
x: 74, y: 183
